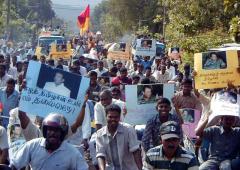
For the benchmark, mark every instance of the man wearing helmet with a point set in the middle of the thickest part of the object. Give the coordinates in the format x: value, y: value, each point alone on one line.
x: 51, y: 151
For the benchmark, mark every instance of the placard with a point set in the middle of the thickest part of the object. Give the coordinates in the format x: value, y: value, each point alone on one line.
x: 224, y: 103
x: 216, y: 69
x: 15, y: 139
x: 174, y: 53
x: 144, y: 47
x: 190, y: 118
x: 119, y: 52
x: 141, y: 101
x: 53, y: 90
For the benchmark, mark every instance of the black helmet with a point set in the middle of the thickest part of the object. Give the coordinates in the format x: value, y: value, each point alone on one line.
x: 57, y: 121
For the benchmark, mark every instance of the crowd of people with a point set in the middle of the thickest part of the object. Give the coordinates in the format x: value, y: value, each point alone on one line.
x: 99, y: 138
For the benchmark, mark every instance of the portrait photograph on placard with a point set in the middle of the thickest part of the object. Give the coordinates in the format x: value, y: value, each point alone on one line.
x: 141, y: 101
x: 149, y: 93
x: 146, y: 43
x: 215, y: 69
x: 214, y: 60
x: 190, y: 118
x: 55, y: 90
x: 58, y: 81
x: 188, y: 115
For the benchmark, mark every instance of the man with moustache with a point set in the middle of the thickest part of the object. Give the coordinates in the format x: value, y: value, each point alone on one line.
x: 170, y: 155
x: 117, y: 146
x: 99, y: 109
x: 50, y: 152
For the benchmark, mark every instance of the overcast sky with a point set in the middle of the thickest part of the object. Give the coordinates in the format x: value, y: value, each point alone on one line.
x: 75, y: 2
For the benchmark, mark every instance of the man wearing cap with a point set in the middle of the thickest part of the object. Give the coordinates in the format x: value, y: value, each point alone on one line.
x: 170, y: 155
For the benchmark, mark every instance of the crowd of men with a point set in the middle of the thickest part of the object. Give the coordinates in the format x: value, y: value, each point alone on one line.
x: 99, y: 138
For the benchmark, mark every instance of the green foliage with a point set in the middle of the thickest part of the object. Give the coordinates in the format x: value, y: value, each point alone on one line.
x: 26, y: 17
x: 129, y: 15
x: 200, y: 43
x: 111, y: 28
x: 235, y: 28
x: 194, y: 25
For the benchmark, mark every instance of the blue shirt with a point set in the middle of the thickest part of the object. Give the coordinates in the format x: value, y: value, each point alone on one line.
x: 9, y: 103
x: 223, y: 145
x: 145, y: 64
x: 151, y: 135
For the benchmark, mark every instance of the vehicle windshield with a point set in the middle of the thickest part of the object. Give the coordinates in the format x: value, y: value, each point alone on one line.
x: 46, y: 41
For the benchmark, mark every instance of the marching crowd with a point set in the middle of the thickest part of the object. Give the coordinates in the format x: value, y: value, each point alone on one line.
x: 99, y: 138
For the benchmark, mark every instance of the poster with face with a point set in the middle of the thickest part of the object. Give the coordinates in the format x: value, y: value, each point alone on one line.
x: 224, y: 103
x: 141, y: 101
x: 190, y: 118
x: 54, y: 90
x: 174, y: 53
x: 144, y: 47
x: 216, y: 69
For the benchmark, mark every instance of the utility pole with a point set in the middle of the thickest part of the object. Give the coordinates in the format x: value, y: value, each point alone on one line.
x: 164, y: 19
x: 8, y: 16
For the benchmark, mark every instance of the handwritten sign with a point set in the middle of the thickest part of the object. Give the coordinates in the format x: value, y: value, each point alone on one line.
x: 119, y: 52
x: 140, y: 105
x: 66, y: 96
x: 216, y: 69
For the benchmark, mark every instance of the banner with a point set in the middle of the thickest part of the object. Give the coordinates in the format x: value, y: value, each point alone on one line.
x: 53, y: 90
x: 144, y: 47
x: 141, y: 101
x: 216, y: 69
x: 190, y: 120
x: 224, y: 104
x: 119, y: 52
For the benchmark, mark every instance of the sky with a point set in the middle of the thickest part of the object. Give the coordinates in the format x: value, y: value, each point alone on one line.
x: 70, y: 9
x: 75, y: 2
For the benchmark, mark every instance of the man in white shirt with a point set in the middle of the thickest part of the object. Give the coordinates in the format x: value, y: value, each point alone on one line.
x: 61, y: 62
x: 100, y: 70
x: 12, y: 71
x: 51, y: 151
x: 4, y: 77
x: 162, y: 76
x: 82, y: 70
x: 57, y: 86
x: 99, y: 108
x: 170, y: 69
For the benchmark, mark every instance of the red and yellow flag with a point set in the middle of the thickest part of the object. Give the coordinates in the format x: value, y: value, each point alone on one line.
x: 83, y: 20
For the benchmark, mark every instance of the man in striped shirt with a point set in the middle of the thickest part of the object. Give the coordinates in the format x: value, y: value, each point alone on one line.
x: 170, y: 155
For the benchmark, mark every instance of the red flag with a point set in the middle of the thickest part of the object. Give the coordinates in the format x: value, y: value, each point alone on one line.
x: 84, y: 19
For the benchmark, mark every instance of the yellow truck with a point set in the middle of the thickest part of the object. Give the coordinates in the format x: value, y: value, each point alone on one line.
x: 53, y: 47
